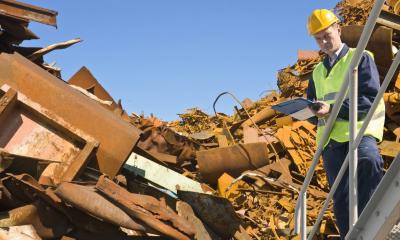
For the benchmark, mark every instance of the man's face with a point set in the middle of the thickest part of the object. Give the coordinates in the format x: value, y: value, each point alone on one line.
x: 329, y: 39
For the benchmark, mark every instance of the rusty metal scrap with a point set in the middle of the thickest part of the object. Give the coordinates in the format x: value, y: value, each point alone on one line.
x: 27, y: 12
x: 147, y: 209
x: 85, y: 198
x: 73, y: 104
x: 233, y: 159
x: 354, y: 14
x: 293, y: 80
x: 47, y: 222
x: 216, y: 212
x: 54, y: 162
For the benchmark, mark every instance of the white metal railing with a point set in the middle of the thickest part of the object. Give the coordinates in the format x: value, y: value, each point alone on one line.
x: 351, y: 76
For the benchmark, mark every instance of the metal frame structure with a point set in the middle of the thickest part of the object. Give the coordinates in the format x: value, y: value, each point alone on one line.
x: 383, y: 207
x: 355, y: 139
x: 14, y: 104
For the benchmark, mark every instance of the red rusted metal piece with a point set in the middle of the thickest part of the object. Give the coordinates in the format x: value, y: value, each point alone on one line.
x: 86, y: 199
x: 116, y: 137
x: 233, y: 160
x: 27, y: 12
x: 143, y: 207
x: 31, y: 131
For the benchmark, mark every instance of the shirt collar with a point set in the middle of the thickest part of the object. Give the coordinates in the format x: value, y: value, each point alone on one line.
x: 336, y: 54
x: 343, y: 51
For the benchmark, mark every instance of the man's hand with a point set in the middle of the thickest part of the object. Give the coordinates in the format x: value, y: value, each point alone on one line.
x: 320, y: 109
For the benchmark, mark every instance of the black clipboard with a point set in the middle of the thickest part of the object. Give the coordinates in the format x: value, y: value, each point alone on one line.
x: 297, y: 108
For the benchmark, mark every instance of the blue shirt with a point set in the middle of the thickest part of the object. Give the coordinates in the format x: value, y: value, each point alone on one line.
x: 368, y: 85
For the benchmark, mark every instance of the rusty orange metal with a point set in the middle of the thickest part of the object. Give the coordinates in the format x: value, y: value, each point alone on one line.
x: 85, y: 79
x: 27, y: 12
x: 216, y: 212
x: 307, y: 55
x: 30, y: 132
x: 86, y: 199
x: 143, y: 207
x: 233, y: 160
x: 117, y: 138
x: 380, y: 44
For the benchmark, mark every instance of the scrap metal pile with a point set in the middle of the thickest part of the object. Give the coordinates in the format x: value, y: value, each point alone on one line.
x: 136, y: 177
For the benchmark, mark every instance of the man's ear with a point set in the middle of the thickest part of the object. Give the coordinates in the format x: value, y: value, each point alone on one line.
x: 339, y: 29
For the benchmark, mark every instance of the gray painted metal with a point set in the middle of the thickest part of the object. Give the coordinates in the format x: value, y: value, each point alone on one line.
x: 383, y: 209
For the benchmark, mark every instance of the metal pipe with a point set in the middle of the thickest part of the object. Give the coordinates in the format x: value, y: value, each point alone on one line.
x: 360, y: 134
x: 353, y: 204
x: 303, y: 223
x: 366, y: 34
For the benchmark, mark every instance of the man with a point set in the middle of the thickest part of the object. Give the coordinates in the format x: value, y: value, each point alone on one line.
x: 326, y: 81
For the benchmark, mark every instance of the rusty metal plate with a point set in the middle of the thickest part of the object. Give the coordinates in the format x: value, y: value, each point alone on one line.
x: 117, y: 137
x: 85, y: 79
x: 380, y: 44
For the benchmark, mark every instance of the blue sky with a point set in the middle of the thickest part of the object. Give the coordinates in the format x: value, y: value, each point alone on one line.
x: 165, y: 56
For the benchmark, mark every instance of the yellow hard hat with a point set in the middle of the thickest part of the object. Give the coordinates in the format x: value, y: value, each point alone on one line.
x: 319, y: 20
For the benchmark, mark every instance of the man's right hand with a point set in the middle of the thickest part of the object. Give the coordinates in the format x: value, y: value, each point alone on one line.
x: 320, y: 109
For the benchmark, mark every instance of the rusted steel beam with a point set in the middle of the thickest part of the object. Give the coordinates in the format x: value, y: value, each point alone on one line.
x: 7, y: 102
x: 80, y: 162
x: 86, y: 199
x: 233, y: 160
x: 116, y: 137
x: 132, y: 204
x: 389, y: 19
x: 28, y: 12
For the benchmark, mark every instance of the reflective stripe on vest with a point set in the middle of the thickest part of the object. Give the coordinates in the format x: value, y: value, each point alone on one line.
x: 327, y: 87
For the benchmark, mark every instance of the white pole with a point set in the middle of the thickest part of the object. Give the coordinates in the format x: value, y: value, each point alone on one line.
x: 353, y: 203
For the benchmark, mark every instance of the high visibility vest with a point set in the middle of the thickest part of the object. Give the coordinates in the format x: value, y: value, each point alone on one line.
x: 327, y: 86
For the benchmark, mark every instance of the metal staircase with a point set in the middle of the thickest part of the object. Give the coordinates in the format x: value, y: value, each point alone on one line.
x: 388, y: 190
x: 383, y: 209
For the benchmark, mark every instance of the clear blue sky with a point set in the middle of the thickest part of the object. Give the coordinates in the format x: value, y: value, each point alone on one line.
x: 164, y: 56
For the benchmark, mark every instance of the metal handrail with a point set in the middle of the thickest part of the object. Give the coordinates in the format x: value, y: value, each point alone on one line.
x: 301, y: 205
